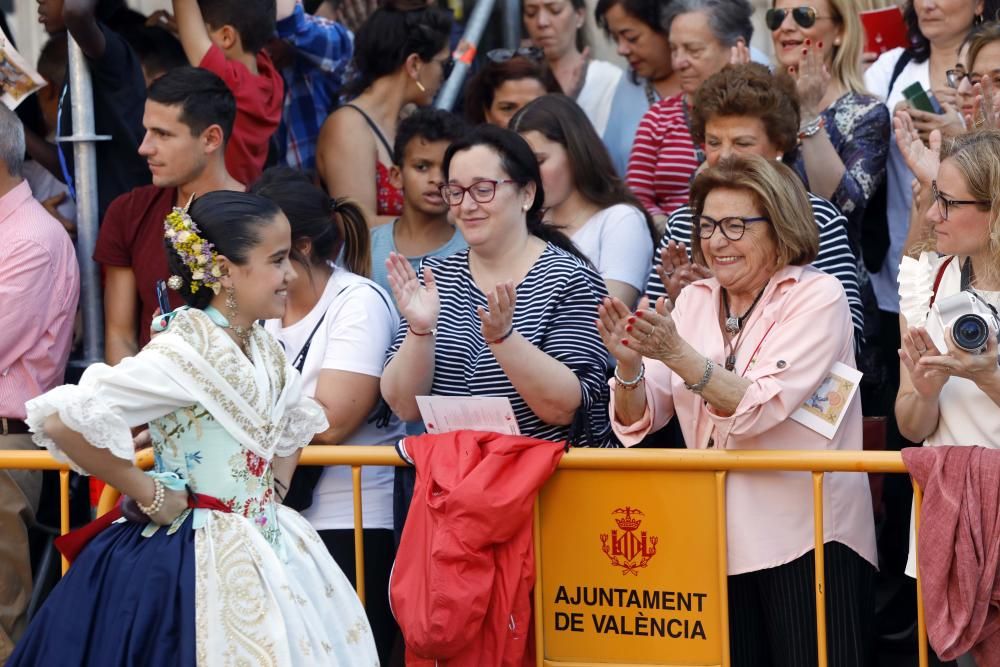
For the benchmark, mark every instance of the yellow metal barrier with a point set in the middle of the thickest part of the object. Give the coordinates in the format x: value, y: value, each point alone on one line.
x: 717, y: 462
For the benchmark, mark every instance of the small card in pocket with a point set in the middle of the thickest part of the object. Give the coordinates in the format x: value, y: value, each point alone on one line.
x: 826, y: 407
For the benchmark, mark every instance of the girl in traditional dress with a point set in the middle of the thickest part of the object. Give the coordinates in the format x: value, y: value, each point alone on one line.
x: 247, y: 581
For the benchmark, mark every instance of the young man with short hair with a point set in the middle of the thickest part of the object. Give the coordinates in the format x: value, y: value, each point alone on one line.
x: 189, y: 118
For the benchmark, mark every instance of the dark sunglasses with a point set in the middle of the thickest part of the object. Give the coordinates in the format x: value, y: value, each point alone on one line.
x: 805, y: 16
x: 503, y: 55
x: 447, y: 65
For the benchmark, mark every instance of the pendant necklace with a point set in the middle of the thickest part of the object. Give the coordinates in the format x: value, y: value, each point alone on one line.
x: 734, y: 325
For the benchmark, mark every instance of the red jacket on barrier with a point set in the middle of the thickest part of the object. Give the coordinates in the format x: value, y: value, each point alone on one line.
x: 461, y: 585
x: 958, y: 548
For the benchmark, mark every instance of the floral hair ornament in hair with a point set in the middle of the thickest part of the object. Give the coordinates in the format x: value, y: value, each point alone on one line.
x: 194, y: 250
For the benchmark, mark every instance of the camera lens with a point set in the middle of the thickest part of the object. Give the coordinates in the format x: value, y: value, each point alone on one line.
x: 970, y: 332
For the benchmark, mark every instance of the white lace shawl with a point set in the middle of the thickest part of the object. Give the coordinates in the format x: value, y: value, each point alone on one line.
x: 916, y: 286
x: 193, y: 362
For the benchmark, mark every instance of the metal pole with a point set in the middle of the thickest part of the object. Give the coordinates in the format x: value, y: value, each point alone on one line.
x: 85, y: 182
x: 511, y: 23
x: 478, y: 19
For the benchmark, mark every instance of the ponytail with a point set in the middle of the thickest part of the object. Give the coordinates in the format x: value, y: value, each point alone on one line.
x: 357, y: 240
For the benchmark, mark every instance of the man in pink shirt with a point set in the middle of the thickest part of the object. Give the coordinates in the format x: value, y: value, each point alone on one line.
x: 39, y: 289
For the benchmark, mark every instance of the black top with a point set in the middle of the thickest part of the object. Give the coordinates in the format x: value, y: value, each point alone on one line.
x: 119, y: 102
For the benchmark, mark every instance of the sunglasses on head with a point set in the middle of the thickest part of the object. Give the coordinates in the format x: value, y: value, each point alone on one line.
x: 503, y: 55
x: 804, y: 16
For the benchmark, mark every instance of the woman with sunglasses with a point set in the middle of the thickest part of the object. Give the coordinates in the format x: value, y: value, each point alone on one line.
x: 733, y: 359
x: 948, y: 396
x: 509, y: 79
x: 512, y: 315
x: 401, y: 57
x: 556, y: 27
x: 705, y: 36
x: 844, y: 131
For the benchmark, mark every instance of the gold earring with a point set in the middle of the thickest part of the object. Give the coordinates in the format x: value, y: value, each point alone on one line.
x: 242, y: 333
x: 420, y: 85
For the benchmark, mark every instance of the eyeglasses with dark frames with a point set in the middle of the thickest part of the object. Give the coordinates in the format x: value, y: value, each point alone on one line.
x: 954, y: 76
x: 482, y: 191
x: 804, y: 16
x: 943, y: 203
x: 733, y: 227
x: 503, y: 55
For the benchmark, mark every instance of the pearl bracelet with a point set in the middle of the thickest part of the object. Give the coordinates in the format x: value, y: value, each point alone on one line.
x: 629, y: 385
x: 159, y: 494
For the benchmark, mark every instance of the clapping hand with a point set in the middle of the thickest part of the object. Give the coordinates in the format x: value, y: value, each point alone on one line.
x: 916, y: 347
x: 959, y: 363
x: 812, y: 79
x: 739, y: 54
x: 419, y: 304
x: 498, y: 319
x: 614, y: 319
x: 984, y: 109
x: 676, y: 270
x: 923, y: 160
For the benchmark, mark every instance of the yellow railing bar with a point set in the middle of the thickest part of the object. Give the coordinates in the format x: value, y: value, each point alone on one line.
x: 820, y: 562
x: 716, y: 461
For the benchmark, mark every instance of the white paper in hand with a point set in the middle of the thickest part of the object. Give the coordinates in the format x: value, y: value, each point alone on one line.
x: 442, y: 414
x: 17, y: 79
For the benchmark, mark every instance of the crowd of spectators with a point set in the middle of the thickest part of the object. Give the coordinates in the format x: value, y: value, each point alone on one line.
x: 695, y: 239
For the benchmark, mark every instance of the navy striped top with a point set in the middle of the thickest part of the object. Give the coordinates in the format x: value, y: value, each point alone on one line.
x: 835, y: 255
x: 555, y: 310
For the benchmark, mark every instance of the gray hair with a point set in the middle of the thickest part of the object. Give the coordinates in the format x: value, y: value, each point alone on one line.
x: 729, y: 20
x: 11, y: 141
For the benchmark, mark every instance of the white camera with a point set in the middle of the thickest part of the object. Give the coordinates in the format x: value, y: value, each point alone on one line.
x: 972, y: 321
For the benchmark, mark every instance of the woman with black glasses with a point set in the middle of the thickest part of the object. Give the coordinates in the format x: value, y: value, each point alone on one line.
x: 734, y: 359
x: 513, y: 315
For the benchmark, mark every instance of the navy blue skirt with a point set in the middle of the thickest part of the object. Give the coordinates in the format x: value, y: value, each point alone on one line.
x: 126, y: 600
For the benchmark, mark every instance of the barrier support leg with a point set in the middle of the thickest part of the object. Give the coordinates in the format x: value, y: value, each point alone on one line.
x: 922, y: 657
x: 536, y: 531
x: 359, y: 536
x: 720, y: 500
x: 64, y: 510
x: 820, y: 569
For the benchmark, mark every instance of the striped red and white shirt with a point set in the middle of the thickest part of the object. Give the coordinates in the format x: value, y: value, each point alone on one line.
x: 39, y: 290
x: 663, y: 158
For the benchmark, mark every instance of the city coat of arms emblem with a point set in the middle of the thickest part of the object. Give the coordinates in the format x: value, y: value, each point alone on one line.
x: 628, y: 548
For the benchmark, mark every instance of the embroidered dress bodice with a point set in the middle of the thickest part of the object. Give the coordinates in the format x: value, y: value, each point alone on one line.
x: 191, y: 444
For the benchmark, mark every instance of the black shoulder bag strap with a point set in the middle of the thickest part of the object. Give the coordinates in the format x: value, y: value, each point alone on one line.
x: 374, y: 127
x: 305, y: 478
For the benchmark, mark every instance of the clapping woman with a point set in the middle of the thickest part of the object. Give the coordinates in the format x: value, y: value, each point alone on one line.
x: 733, y: 359
x: 511, y: 316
